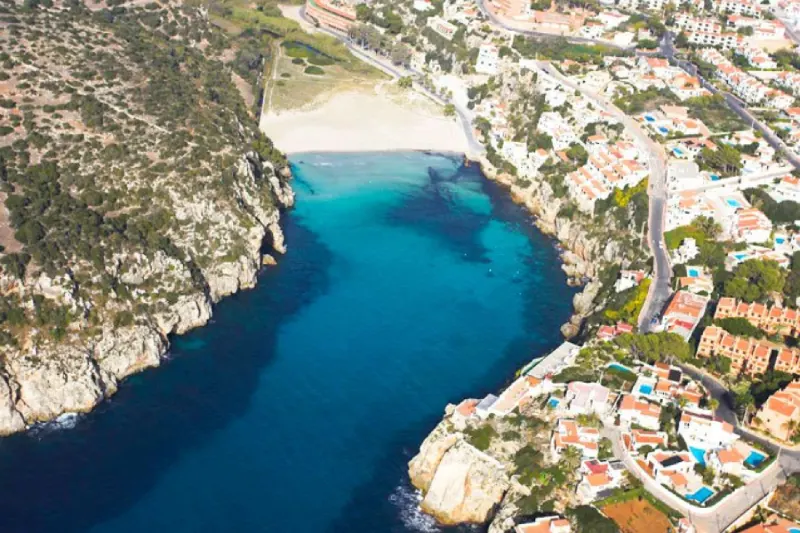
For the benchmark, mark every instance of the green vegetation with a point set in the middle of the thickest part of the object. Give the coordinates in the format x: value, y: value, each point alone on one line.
x: 754, y: 279
x: 714, y: 113
x: 654, y: 347
x: 627, y: 305
x: 314, y: 70
x: 726, y: 160
x: 785, y: 212
x: 481, y: 437
x: 635, y: 102
x: 740, y: 326
x: 561, y: 49
x: 589, y: 520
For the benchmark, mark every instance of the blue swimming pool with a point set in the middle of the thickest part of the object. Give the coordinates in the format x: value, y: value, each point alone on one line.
x: 648, y: 118
x: 693, y: 273
x: 733, y: 203
x: 714, y: 177
x: 740, y: 257
x: 699, y: 455
x: 677, y: 151
x: 645, y: 389
x: 780, y: 240
x: 702, y: 494
x: 663, y: 130
x: 553, y: 402
x: 617, y: 366
x: 754, y: 459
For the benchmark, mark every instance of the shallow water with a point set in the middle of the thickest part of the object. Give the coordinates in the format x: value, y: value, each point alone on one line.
x: 410, y: 282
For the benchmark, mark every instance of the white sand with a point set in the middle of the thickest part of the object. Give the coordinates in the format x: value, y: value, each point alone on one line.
x: 366, y: 121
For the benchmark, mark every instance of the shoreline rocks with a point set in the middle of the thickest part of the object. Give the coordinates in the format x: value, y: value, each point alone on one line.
x: 44, y: 379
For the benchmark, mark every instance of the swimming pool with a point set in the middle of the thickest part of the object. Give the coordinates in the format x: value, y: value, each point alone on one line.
x: 662, y: 129
x: 677, y: 151
x: 733, y: 203
x: 740, y: 257
x: 622, y: 368
x: 693, y: 273
x: 780, y: 240
x: 648, y: 118
x: 714, y: 177
x: 699, y: 455
x: 754, y: 459
x: 645, y: 389
x: 702, y: 494
x: 553, y: 402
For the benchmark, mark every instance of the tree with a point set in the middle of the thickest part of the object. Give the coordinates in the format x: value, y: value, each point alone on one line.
x: 449, y: 110
x: 587, y: 519
x: 754, y: 279
x: 726, y: 159
x: 747, y: 31
x: 578, y: 154
x: 400, y: 54
x: 405, y: 82
x: 655, y: 346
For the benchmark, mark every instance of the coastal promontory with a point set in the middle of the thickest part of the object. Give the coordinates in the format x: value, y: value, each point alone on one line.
x: 136, y: 191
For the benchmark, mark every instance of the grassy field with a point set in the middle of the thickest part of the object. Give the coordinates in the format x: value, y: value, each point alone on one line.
x: 637, y: 516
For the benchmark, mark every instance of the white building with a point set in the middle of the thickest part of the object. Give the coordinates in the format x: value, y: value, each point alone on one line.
x: 704, y: 431
x: 488, y: 59
x: 639, y: 412
x: 586, y: 398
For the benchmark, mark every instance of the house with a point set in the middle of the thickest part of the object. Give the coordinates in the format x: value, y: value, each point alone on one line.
x: 517, y: 394
x: 488, y: 59
x: 640, y: 438
x: 599, y: 479
x: 751, y: 225
x: 727, y: 461
x: 586, y: 398
x: 748, y: 356
x: 639, y: 412
x: 683, y: 313
x: 670, y: 468
x: 789, y: 186
x: 774, y: 524
x: 442, y: 27
x: 780, y: 414
x: 772, y: 319
x: 686, y: 252
x: 705, y: 431
x: 628, y: 279
x: 546, y: 524
x: 569, y: 433
x: 483, y: 409
x: 607, y: 333
x: 337, y: 14
x: 422, y: 5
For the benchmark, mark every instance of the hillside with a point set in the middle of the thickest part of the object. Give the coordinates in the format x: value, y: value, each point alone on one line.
x: 137, y: 191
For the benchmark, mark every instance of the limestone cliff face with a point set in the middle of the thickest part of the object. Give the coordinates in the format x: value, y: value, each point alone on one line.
x: 460, y: 483
x: 44, y: 379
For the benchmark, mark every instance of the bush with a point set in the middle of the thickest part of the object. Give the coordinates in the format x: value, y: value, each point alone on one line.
x: 481, y: 437
x: 298, y: 61
x: 589, y: 520
x: 314, y: 70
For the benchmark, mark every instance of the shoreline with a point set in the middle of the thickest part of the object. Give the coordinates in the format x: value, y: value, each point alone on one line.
x: 366, y: 121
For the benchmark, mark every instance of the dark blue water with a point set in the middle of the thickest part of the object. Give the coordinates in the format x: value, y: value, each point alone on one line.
x: 410, y: 282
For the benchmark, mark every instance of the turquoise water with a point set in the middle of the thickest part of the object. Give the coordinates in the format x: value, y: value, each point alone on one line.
x: 621, y: 368
x: 754, y: 459
x: 699, y: 455
x: 701, y: 495
x: 645, y: 389
x: 410, y: 282
x: 694, y: 273
x: 553, y: 402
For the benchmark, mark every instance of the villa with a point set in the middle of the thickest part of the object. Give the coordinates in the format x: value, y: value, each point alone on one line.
x: 780, y: 414
x: 586, y: 398
x: 639, y: 412
x: 670, y: 468
x: 570, y: 434
x: 683, y: 313
x: 599, y: 479
x: 640, y: 438
x: 548, y: 524
x: 517, y: 394
x: 705, y: 431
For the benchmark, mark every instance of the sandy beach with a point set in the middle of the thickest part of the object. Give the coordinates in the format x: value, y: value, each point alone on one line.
x: 355, y: 121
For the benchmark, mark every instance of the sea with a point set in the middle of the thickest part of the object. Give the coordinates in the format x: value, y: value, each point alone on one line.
x: 411, y: 281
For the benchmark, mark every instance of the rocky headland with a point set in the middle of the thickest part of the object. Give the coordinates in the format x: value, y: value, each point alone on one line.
x: 137, y: 192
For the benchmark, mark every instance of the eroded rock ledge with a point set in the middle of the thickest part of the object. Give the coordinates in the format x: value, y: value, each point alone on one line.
x: 44, y: 379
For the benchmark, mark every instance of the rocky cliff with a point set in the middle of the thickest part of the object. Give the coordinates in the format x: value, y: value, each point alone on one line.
x: 137, y: 192
x: 586, y: 247
x: 478, y: 471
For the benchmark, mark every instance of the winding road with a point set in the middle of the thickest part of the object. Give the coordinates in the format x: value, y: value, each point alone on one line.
x: 660, y: 289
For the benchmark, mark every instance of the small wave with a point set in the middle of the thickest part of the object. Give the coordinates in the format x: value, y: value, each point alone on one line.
x: 65, y: 421
x: 407, y: 500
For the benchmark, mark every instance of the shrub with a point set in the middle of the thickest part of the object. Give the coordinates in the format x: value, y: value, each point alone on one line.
x: 314, y: 70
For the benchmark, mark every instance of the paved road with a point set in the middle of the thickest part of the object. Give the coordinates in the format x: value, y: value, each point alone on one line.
x: 734, y: 103
x: 660, y: 289
x: 713, y: 519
